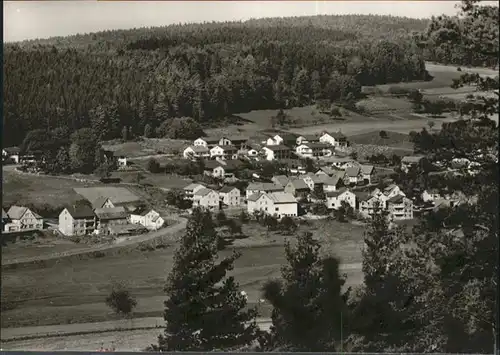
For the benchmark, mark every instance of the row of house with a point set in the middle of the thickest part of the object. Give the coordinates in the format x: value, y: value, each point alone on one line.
x: 213, y: 199
x: 270, y: 147
x: 104, y: 218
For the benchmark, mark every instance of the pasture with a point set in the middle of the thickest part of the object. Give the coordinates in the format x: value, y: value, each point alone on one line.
x: 74, y: 291
x: 391, y: 139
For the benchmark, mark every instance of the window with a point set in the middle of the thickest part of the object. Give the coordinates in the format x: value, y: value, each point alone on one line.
x: 276, y: 209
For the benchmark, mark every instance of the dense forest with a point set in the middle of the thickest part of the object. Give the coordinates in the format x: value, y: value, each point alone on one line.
x: 143, y: 77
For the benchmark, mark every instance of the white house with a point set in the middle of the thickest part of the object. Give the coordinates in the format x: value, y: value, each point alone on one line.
x: 207, y: 198
x: 341, y: 162
x: 387, y: 193
x: 367, y: 205
x: 307, y: 138
x: 21, y: 219
x: 197, y: 151
x: 314, y: 150
x: 224, y: 152
x: 121, y: 161
x: 191, y: 189
x: 334, y: 199
x: 11, y: 153
x: 352, y: 175
x: 332, y: 183
x: 430, y: 196
x: 211, y: 141
x: 400, y: 207
x: 273, y: 152
x: 230, y: 196
x: 77, y: 220
x: 279, y: 204
x: 335, y: 139
x: 147, y: 218
x: 367, y: 172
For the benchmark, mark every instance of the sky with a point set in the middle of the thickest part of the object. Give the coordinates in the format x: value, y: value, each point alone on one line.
x: 43, y: 19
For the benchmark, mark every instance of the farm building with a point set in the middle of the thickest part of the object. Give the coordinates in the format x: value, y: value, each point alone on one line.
x: 307, y: 138
x: 191, y: 189
x: 336, y: 139
x: 280, y: 204
x: 109, y: 217
x: 274, y: 152
x: 297, y: 188
x: 207, y: 198
x: 266, y: 187
x: 196, y: 152
x: 11, y: 153
x: 408, y: 161
x: 314, y: 150
x: 77, y: 220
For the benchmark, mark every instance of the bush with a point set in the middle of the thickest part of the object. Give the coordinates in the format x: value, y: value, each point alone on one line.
x: 153, y: 166
x: 120, y: 300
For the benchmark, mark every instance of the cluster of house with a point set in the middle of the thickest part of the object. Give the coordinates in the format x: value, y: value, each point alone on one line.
x: 101, y: 216
x: 106, y: 215
x: 282, y: 196
x: 13, y: 154
x: 268, y: 147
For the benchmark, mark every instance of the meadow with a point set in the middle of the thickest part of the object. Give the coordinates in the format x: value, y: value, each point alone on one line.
x: 73, y: 291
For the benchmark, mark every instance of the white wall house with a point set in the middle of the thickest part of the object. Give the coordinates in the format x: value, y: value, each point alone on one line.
x: 197, y: 151
x: 21, y: 219
x: 191, y: 189
x: 335, y: 139
x: 211, y: 141
x: 400, y: 208
x: 230, y: 196
x: 352, y: 175
x: 206, y: 198
x: 122, y: 161
x: 273, y: 152
x: 279, y: 204
x: 307, y: 138
x: 224, y: 152
x: 77, y: 220
x: 313, y: 150
x: 11, y: 153
x: 147, y: 218
x: 331, y: 183
x: 334, y: 198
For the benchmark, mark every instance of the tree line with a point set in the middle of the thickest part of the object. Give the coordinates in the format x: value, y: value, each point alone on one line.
x: 205, y: 72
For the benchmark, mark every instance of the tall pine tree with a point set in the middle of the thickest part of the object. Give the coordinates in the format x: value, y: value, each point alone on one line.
x: 205, y: 310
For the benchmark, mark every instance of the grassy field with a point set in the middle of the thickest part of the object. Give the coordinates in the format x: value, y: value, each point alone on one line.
x: 146, y: 146
x: 38, y: 190
x: 75, y: 291
x: 393, y: 139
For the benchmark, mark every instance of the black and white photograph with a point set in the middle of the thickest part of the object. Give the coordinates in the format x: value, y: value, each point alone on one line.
x: 250, y: 176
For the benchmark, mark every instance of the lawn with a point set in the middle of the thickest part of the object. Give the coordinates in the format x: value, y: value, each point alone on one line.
x: 74, y: 291
x: 38, y: 190
x: 393, y: 139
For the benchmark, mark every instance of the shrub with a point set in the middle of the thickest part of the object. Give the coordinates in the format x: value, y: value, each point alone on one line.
x: 120, y: 300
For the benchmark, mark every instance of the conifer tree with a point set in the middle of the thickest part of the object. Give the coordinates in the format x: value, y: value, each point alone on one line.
x: 205, y: 310
x: 308, y: 304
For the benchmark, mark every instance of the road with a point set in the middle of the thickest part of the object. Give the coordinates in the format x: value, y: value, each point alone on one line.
x: 122, y: 335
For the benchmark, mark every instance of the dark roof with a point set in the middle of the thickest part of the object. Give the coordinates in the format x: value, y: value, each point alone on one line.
x: 299, y: 184
x: 111, y: 213
x: 211, y: 164
x: 318, y: 145
x: 227, y: 188
x: 228, y: 147
x: 237, y: 138
x: 210, y: 139
x: 336, y: 135
x: 336, y: 193
x: 12, y: 150
x: 4, y: 214
x: 352, y: 171
x: 310, y: 137
x: 80, y: 211
x: 100, y: 202
x: 276, y: 148
x: 363, y: 195
x: 254, y: 197
x: 288, y: 136
x: 396, y: 199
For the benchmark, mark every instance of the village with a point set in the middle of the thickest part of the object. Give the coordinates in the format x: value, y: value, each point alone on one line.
x: 317, y: 176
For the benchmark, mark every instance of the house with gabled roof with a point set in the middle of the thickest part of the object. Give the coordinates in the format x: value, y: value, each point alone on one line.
x: 411, y: 160
x: 108, y: 217
x: 335, y: 139
x: 332, y: 183
x: 280, y: 180
x: 11, y: 153
x: 352, y: 175
x: 230, y: 195
x: 77, y: 220
x: 334, y: 199
x: 367, y: 173
x: 225, y: 152
x: 273, y: 152
x: 22, y: 219
x: 325, y: 170
x: 279, y: 204
x: 196, y: 152
x: 311, y: 180
x: 400, y: 207
x: 209, y: 142
x: 297, y: 187
x: 206, y: 198
x: 314, y: 150
x: 307, y: 138
x: 103, y: 202
x: 147, y: 218
x: 191, y: 189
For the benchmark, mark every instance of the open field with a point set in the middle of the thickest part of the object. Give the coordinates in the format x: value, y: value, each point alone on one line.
x: 74, y: 291
x: 146, y: 146
x: 38, y: 190
x: 393, y: 139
